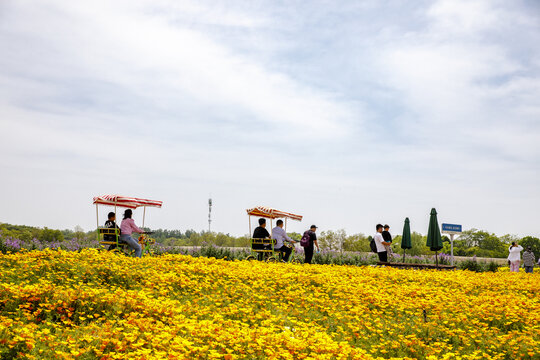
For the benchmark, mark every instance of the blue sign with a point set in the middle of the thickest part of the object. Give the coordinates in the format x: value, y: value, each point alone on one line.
x: 451, y: 228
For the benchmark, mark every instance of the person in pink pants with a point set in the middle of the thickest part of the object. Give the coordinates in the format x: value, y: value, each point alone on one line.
x: 514, y: 256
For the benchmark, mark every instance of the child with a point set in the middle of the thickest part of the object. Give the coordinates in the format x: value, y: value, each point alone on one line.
x: 387, y: 238
x: 111, y: 224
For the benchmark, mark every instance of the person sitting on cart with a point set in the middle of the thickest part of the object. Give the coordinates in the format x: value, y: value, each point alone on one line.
x: 111, y: 224
x: 127, y: 227
x: 260, y: 232
x: 281, y: 236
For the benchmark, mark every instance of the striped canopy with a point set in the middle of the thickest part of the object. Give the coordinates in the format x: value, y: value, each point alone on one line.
x: 266, y: 212
x: 126, y: 201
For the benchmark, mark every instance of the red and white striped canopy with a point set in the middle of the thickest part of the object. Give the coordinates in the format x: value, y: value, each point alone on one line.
x: 266, y: 212
x: 126, y: 201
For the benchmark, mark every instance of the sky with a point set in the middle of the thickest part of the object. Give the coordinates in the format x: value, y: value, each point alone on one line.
x: 350, y: 113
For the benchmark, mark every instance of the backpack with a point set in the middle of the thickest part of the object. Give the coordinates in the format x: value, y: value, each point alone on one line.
x: 304, y: 241
x: 373, y: 246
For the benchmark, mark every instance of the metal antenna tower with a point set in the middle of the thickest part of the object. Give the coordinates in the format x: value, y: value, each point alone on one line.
x: 209, y: 213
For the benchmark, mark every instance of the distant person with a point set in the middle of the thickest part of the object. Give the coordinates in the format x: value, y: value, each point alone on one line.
x: 381, y: 244
x: 310, y: 248
x: 514, y: 256
x: 281, y: 236
x: 528, y: 260
x: 260, y: 232
x: 387, y: 237
x: 111, y: 224
x: 127, y: 227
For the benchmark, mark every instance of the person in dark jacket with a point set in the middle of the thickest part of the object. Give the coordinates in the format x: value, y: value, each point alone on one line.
x: 381, y: 244
x: 387, y: 237
x: 308, y: 250
x: 260, y: 232
x: 111, y: 224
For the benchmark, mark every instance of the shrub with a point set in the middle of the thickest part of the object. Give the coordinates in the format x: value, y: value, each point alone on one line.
x: 493, y: 266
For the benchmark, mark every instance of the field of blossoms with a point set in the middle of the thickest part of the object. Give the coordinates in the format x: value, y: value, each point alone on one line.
x: 92, y: 304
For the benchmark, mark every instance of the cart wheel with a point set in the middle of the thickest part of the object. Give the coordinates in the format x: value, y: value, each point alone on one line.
x: 271, y: 259
x: 250, y: 258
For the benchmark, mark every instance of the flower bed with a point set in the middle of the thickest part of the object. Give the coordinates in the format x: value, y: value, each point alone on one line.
x: 97, y: 305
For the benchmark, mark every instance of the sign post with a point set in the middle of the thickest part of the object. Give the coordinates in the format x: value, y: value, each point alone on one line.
x: 451, y: 229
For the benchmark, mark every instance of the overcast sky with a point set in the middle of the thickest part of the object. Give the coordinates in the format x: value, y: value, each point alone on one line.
x: 347, y: 112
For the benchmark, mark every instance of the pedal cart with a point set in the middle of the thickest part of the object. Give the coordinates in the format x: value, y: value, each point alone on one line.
x: 111, y: 236
x: 264, y: 248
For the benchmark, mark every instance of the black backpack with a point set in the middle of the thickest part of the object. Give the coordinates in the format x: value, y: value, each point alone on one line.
x: 373, y: 246
x: 306, y: 239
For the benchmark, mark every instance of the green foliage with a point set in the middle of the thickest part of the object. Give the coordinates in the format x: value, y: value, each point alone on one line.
x: 473, y: 265
x: 49, y: 235
x: 418, y: 243
x: 481, y: 243
x: 533, y: 242
x: 356, y: 242
x: 27, y: 233
x: 470, y: 243
x: 332, y: 240
x: 493, y: 266
x: 339, y: 241
x: 295, y: 236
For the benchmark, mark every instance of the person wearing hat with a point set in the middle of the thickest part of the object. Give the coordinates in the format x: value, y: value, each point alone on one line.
x: 308, y: 250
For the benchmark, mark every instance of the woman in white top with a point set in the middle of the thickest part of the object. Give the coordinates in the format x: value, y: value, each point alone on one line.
x: 515, y: 256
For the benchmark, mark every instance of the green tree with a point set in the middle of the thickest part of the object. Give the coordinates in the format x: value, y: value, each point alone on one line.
x: 356, y: 242
x: 295, y: 236
x: 49, y: 235
x: 533, y: 242
x: 78, y: 233
x: 332, y: 240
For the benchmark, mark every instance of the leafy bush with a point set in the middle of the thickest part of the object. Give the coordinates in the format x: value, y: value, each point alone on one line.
x: 492, y: 266
x: 471, y: 265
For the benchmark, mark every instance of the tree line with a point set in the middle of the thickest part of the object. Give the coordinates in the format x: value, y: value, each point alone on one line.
x: 471, y: 242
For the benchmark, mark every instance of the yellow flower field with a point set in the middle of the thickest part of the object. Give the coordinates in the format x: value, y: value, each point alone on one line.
x: 98, y: 305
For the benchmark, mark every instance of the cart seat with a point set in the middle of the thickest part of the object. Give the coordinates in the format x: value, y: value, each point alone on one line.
x: 109, y: 236
x: 262, y: 245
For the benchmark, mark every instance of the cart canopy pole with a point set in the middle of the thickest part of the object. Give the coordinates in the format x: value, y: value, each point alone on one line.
x: 249, y: 234
x: 143, y: 216
x: 97, y: 221
x: 115, y: 215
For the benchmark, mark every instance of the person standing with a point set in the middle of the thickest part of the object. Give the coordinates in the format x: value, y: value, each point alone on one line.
x: 308, y: 250
x: 381, y: 244
x: 127, y: 227
x: 514, y: 256
x: 281, y: 236
x: 387, y: 237
x: 528, y: 260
